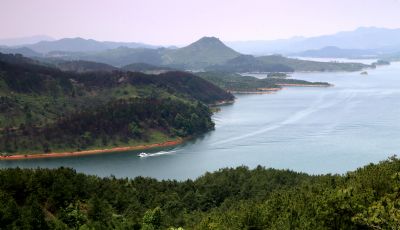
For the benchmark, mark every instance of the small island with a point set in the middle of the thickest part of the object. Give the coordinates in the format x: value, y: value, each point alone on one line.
x: 380, y: 63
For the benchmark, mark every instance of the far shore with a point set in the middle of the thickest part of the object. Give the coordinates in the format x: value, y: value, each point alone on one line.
x: 273, y: 90
x: 305, y: 85
x: 256, y: 91
x: 92, y: 152
x: 223, y: 102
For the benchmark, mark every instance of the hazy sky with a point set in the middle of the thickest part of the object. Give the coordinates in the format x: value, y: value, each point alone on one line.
x: 182, y: 21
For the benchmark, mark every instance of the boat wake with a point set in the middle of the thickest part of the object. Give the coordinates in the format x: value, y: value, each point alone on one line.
x: 144, y: 155
x: 320, y: 103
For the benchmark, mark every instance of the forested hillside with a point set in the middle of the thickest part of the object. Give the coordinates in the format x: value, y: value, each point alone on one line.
x: 239, y: 83
x: 200, y: 54
x: 119, y: 123
x: 367, y: 198
x: 311, y: 66
x: 248, y: 63
x: 39, y: 104
x: 84, y: 66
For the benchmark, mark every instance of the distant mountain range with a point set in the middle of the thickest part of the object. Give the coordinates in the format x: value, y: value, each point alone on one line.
x: 363, y: 38
x: 21, y: 50
x: 24, y: 40
x: 208, y: 53
x: 336, y: 52
x: 362, y: 41
x: 82, y: 45
x: 200, y: 54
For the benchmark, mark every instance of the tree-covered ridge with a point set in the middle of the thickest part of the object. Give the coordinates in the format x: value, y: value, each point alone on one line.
x: 367, y: 198
x: 84, y: 66
x: 278, y: 63
x: 146, y: 68
x: 249, y: 63
x: 238, y: 83
x: 311, y: 66
x: 121, y: 122
x: 25, y: 77
x: 45, y: 109
x: 200, y: 54
x: 208, y: 53
x: 34, y: 93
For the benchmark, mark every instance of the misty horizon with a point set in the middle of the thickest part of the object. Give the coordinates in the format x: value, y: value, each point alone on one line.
x: 159, y: 23
x: 45, y: 37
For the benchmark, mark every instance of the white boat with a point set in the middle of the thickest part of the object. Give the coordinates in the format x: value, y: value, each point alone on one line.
x: 143, y: 155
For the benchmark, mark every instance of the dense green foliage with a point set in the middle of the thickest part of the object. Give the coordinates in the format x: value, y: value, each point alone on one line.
x: 278, y: 75
x: 30, y: 92
x: 237, y: 83
x: 84, y: 66
x: 116, y: 123
x: 248, y: 63
x: 367, y: 198
x: 146, y: 68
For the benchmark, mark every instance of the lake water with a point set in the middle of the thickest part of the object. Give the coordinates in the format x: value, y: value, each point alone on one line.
x: 313, y: 130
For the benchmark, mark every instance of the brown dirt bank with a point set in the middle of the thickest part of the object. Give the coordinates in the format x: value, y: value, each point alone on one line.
x: 91, y: 152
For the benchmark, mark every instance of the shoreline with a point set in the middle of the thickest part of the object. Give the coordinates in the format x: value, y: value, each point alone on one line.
x: 223, y: 102
x: 257, y: 91
x: 304, y: 85
x: 90, y: 152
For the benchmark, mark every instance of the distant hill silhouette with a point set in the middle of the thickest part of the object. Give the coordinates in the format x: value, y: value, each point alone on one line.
x: 84, y: 66
x: 208, y: 53
x: 20, y: 41
x: 82, y: 45
x: 144, y: 67
x: 249, y: 63
x: 363, y: 38
x: 20, y: 50
x: 336, y: 52
x: 204, y: 52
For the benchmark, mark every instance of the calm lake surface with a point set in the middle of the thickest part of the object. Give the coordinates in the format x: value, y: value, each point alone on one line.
x: 313, y: 130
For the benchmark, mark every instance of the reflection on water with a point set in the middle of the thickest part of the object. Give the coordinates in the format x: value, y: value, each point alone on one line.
x: 314, y: 130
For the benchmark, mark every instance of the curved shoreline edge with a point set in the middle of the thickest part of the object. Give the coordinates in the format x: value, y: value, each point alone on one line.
x: 91, y: 152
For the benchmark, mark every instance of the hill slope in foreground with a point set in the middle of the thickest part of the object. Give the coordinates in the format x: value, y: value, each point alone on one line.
x: 367, y: 198
x: 44, y: 109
